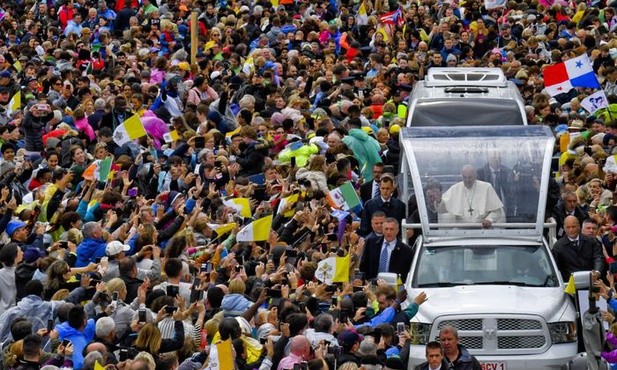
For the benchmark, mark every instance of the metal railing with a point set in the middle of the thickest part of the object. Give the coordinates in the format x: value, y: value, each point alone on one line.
x: 550, y: 226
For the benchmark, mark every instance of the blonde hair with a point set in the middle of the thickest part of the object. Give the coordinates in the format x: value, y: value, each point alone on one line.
x: 149, y: 338
x: 116, y: 285
x: 15, y: 352
x: 237, y: 286
x: 147, y: 358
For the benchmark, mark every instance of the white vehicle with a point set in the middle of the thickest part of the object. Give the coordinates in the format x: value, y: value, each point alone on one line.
x: 499, y: 286
x: 465, y: 97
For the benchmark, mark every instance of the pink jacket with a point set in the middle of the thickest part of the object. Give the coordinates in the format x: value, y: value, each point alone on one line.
x: 83, y: 126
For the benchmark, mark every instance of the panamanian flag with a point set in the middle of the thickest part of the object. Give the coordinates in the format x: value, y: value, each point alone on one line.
x: 563, y: 77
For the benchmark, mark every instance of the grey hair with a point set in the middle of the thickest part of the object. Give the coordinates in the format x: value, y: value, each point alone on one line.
x: 104, y: 326
x: 323, y: 323
x: 92, y: 358
x: 99, y: 103
x: 449, y: 329
x: 89, y: 228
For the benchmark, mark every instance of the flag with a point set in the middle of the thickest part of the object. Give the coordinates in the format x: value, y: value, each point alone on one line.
x: 104, y: 169
x: 256, y: 231
x: 362, y: 19
x: 595, y: 101
x: 241, y: 205
x: 17, y: 66
x: 130, y: 129
x: 333, y: 270
x: 394, y: 17
x: 14, y: 104
x: 576, y: 72
x: 170, y: 136
x: 222, y: 229
x: 221, y: 356
x: 344, y: 197
x: 293, y: 198
x: 98, y: 170
x: 570, y: 288
x: 98, y: 366
x: 492, y: 4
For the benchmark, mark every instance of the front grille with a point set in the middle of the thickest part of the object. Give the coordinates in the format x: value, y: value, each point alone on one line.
x: 536, y: 341
x: 509, y: 335
x: 472, y: 342
x: 516, y: 324
x: 463, y: 325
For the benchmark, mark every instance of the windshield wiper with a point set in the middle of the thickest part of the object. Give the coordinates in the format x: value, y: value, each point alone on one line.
x: 506, y: 282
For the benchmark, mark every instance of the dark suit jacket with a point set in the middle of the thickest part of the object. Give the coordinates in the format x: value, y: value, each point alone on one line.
x: 366, y: 191
x: 395, y: 209
x: 400, y: 260
x: 559, y: 214
x: 570, y: 259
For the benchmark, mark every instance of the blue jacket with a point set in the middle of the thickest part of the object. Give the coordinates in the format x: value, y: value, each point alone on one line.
x: 234, y: 305
x: 80, y: 340
x: 89, y: 250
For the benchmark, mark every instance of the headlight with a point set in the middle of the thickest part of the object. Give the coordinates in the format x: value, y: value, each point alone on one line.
x: 420, y: 333
x: 562, y: 332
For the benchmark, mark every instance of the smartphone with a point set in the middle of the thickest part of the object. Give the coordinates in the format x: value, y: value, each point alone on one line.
x: 274, y: 293
x: 613, y: 267
x: 170, y: 309
x: 124, y: 355
x: 66, y: 342
x: 293, y: 162
x: 343, y: 316
x: 400, y: 328
x: 206, y: 267
x: 200, y: 142
x: 50, y: 325
x: 64, y: 244
x: 114, y: 296
x: 218, y: 164
x: 238, y: 268
x: 142, y: 315
x: 332, y: 237
x: 331, y: 288
x: 173, y: 290
x: 358, y: 289
x: 197, y: 295
x: 334, y: 301
x: 301, y: 366
x: 263, y: 341
x: 359, y: 276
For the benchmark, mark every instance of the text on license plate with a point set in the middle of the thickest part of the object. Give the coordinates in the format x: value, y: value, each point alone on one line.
x: 493, y: 365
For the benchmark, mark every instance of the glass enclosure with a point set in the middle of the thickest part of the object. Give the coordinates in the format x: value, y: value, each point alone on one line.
x: 482, y: 176
x: 480, y: 111
x: 467, y: 265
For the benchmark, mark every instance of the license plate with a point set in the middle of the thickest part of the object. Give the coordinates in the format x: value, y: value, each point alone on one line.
x: 493, y: 365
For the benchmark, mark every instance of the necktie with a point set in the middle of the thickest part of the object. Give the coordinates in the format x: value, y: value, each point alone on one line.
x: 383, y: 258
x: 376, y: 194
x: 575, y: 244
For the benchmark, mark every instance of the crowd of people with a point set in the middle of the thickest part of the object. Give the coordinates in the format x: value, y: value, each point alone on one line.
x: 138, y: 266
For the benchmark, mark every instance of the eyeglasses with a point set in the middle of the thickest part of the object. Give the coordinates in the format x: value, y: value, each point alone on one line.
x: 58, y: 83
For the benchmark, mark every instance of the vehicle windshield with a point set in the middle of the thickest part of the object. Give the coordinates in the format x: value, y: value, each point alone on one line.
x: 479, y: 264
x: 477, y: 112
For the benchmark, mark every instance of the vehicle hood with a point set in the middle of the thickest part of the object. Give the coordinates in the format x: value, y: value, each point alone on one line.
x: 492, y: 299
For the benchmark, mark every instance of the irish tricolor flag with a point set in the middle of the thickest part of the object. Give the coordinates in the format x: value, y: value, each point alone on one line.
x: 344, y: 198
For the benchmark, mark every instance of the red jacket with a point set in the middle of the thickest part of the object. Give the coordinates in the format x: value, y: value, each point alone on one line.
x: 65, y: 14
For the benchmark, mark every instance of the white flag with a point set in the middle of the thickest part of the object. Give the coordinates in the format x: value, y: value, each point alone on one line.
x: 595, y: 101
x: 492, y: 4
x: 121, y: 137
x: 325, y: 270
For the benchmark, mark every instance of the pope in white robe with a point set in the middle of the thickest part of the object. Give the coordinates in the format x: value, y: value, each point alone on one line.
x: 471, y: 201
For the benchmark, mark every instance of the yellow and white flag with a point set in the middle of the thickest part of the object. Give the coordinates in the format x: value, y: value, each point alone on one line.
x: 241, y: 205
x: 130, y: 129
x: 14, y: 104
x: 293, y: 198
x: 221, y: 356
x: 333, y: 270
x: 258, y: 230
x: 171, y: 136
x: 221, y: 229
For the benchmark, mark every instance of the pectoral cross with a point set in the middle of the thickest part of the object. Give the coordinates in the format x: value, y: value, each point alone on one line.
x: 470, y: 210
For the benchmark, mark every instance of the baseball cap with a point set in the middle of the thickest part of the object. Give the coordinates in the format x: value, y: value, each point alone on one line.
x: 5, y: 74
x: 115, y: 247
x: 31, y: 255
x: 349, y: 337
x: 13, y: 226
